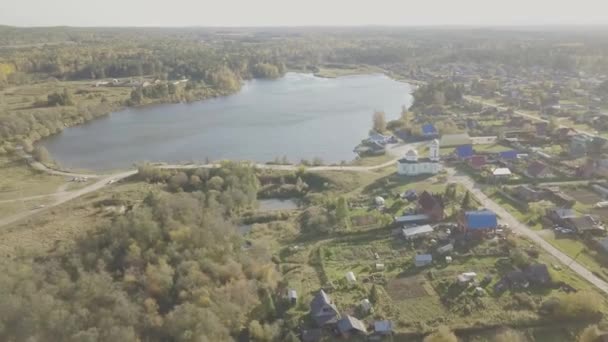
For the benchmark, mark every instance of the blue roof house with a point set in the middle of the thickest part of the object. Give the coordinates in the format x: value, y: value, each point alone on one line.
x: 480, y: 220
x: 508, y: 155
x: 464, y: 151
x: 429, y: 130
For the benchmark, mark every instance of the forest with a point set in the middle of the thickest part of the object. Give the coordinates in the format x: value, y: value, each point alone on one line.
x: 171, y: 269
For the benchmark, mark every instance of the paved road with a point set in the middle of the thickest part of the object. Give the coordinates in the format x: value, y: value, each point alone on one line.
x: 522, y: 229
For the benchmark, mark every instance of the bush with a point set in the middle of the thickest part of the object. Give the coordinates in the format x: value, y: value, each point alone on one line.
x: 443, y: 334
x: 580, y: 305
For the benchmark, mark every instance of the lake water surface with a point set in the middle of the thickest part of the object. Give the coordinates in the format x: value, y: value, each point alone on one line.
x: 299, y: 116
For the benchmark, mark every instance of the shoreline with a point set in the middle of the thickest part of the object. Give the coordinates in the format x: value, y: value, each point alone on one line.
x: 117, y: 107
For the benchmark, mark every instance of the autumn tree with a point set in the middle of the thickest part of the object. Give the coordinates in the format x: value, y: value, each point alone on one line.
x: 42, y: 155
x: 379, y: 121
x: 443, y: 334
x: 509, y: 335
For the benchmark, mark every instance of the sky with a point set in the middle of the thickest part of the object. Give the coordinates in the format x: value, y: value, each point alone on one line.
x: 302, y: 12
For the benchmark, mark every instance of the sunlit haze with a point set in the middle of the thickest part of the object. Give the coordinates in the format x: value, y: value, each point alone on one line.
x: 297, y: 13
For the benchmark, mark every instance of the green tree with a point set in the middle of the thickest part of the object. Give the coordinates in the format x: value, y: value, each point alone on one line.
x: 341, y: 209
x: 374, y: 295
x: 178, y: 181
x: 466, y: 201
x: 137, y: 96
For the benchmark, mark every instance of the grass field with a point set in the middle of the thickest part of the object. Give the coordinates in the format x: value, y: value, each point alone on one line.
x: 62, y: 224
x: 18, y: 180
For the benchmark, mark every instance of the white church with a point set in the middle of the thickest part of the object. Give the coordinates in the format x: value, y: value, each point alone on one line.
x: 412, y: 165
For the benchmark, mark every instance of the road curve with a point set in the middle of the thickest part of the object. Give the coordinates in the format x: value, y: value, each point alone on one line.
x: 524, y: 230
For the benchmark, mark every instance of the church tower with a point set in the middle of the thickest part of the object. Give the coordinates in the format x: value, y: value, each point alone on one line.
x: 434, y: 150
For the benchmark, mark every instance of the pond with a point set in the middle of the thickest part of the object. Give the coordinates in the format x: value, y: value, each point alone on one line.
x: 299, y: 116
x: 275, y: 204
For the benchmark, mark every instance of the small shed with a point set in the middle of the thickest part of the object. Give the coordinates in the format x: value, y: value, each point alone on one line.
x: 379, y: 267
x: 412, y: 219
x: 383, y: 327
x: 292, y: 295
x: 350, y: 277
x: 421, y: 260
x: 448, y: 259
x: 501, y: 172
x: 466, y: 277
x: 379, y: 201
x: 417, y: 232
x: 445, y: 249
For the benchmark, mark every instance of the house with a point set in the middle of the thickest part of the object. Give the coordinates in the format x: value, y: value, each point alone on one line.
x: 383, y: 327
x: 501, y: 172
x: 412, y: 164
x: 464, y: 151
x: 538, y: 169
x: 477, y: 161
x: 323, y: 310
x: 412, y: 219
x: 582, y: 224
x: 431, y: 205
x: 421, y: 260
x: 380, y: 139
x: 508, y: 155
x: 526, y: 193
x: 417, y: 232
x: 429, y: 131
x: 480, y: 220
x: 559, y: 215
x: 349, y: 325
x: 538, y: 275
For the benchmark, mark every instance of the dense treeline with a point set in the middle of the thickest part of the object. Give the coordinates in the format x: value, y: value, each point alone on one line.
x: 215, y: 61
x: 172, y: 269
x: 438, y: 93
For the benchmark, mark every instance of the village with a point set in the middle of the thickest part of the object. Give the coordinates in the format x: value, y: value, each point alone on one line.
x: 445, y: 257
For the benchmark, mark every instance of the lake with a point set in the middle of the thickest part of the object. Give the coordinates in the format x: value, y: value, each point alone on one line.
x: 299, y: 116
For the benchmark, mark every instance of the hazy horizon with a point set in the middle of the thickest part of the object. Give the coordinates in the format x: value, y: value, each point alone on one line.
x: 277, y: 13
